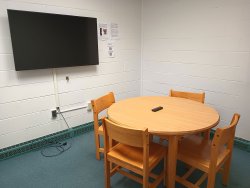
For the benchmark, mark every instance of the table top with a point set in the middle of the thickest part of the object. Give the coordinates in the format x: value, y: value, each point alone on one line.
x: 178, y: 117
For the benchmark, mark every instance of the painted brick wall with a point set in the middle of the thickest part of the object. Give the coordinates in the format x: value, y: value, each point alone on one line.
x: 26, y: 97
x: 200, y: 46
x: 187, y: 45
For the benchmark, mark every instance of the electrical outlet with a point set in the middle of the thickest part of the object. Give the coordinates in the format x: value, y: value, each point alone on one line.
x: 89, y: 107
x: 54, y: 113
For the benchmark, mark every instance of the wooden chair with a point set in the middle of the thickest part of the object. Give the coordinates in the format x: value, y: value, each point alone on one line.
x: 133, y: 152
x: 208, y: 156
x: 199, y: 97
x: 99, y: 105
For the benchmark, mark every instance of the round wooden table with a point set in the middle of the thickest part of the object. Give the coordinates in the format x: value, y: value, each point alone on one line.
x: 178, y: 117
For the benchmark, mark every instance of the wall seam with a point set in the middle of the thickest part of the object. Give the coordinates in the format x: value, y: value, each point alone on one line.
x: 142, y: 36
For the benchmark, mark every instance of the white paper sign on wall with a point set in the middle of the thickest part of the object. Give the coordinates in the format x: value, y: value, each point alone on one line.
x: 103, y: 31
x: 110, y: 51
x: 114, y: 32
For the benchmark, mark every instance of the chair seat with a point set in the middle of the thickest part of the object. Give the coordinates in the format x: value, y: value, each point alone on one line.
x: 194, y: 149
x: 100, y: 130
x: 133, y: 156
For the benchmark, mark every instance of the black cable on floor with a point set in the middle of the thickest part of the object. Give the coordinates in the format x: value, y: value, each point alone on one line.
x: 60, y: 147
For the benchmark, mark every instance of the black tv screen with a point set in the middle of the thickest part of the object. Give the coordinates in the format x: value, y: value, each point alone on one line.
x: 42, y: 40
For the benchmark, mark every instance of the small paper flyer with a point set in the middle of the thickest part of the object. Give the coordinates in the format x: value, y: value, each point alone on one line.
x: 114, y: 32
x: 103, y: 31
x: 110, y: 47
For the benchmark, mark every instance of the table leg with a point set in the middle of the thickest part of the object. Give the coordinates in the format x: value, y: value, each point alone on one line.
x: 172, y: 160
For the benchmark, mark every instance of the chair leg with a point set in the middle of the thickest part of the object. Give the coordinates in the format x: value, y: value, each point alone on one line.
x: 206, y: 134
x: 107, y: 173
x: 97, y: 146
x: 165, y: 170
x: 226, y: 170
x: 161, y: 141
x: 145, y: 179
x: 211, y: 179
x: 151, y: 137
x: 111, y: 144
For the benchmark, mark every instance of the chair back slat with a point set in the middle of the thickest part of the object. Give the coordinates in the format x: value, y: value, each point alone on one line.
x: 103, y: 102
x: 225, y: 136
x: 199, y: 97
x: 124, y: 135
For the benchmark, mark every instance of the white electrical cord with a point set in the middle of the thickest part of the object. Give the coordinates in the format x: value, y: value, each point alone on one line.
x: 55, y: 87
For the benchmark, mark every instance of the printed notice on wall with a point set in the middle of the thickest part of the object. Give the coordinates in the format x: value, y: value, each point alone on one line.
x: 114, y: 32
x: 103, y: 31
x: 110, y: 47
x: 108, y: 31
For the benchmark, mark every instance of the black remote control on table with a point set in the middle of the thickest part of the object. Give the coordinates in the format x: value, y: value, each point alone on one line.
x: 157, y: 108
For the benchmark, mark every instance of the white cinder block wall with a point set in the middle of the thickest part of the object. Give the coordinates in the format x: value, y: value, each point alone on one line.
x: 193, y: 45
x: 26, y: 97
x: 200, y: 45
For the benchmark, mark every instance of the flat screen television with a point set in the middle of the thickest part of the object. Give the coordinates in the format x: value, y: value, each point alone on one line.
x: 42, y: 40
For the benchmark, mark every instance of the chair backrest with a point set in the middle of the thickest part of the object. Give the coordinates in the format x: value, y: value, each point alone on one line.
x: 224, y: 138
x: 199, y: 97
x: 103, y: 102
x: 125, y: 135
